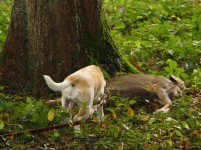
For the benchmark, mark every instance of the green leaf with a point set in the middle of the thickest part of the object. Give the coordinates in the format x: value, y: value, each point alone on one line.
x: 170, y: 142
x: 29, y: 107
x: 131, y: 102
x: 151, y: 121
x: 172, y: 64
x: 184, y: 125
x: 179, y: 70
x: 34, y: 117
x: 138, y: 44
x: 168, y: 69
x: 1, y: 125
x: 120, y: 26
x: 127, y: 42
x: 184, y: 75
x: 20, y: 126
x: 38, y: 104
x: 178, y: 133
x: 28, y: 99
x: 111, y: 110
x: 56, y: 133
x: 116, y: 133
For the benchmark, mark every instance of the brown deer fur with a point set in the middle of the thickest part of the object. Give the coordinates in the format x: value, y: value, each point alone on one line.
x: 148, y: 87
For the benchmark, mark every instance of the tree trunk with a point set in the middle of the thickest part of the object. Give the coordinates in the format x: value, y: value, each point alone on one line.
x: 55, y: 38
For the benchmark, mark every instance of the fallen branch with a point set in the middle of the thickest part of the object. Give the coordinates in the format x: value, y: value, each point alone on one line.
x: 39, y: 130
x: 45, y: 129
x: 54, y: 102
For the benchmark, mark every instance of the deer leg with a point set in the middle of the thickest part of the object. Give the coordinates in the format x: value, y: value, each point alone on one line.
x: 164, y: 99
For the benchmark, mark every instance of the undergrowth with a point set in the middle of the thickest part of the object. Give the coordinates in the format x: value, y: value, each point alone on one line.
x: 150, y: 33
x: 127, y: 124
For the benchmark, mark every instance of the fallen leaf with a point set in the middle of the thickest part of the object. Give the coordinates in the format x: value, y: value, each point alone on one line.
x: 130, y: 112
x: 149, y: 87
x: 197, y: 132
x: 144, y: 117
x: 50, y: 115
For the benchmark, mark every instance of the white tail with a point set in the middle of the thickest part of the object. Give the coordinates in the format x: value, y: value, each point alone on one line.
x: 56, y: 86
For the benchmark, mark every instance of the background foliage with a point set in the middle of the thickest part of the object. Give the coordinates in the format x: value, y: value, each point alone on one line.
x: 150, y: 33
x: 5, y: 12
x: 157, y: 37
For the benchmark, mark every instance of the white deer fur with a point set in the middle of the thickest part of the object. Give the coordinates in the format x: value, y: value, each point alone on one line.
x: 81, y: 87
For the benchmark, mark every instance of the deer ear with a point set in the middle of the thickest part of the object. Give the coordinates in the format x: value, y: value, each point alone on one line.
x: 174, y: 79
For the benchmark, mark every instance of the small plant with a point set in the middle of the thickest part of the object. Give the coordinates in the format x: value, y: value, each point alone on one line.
x: 195, y: 78
x: 173, y: 69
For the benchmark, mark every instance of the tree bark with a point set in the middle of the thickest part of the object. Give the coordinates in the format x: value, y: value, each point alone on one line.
x: 56, y: 38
